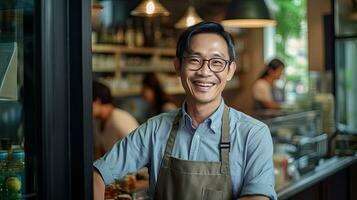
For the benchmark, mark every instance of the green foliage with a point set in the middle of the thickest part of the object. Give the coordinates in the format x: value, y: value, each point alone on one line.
x: 289, y: 15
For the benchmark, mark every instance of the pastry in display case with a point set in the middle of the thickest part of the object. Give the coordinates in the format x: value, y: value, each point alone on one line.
x: 133, y: 186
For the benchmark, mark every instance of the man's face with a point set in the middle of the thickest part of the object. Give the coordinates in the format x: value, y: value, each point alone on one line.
x: 204, y: 86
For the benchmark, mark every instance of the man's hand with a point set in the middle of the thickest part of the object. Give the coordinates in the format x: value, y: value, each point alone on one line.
x: 98, y: 186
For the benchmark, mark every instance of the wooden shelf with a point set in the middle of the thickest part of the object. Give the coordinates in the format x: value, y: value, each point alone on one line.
x: 144, y: 69
x: 101, y: 48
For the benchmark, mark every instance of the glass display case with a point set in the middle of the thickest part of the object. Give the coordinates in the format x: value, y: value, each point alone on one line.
x: 299, y: 135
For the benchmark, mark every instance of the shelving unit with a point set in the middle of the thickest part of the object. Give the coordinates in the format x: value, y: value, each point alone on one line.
x: 123, y: 59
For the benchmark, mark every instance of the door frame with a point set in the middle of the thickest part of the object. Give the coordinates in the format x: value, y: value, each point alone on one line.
x: 66, y: 159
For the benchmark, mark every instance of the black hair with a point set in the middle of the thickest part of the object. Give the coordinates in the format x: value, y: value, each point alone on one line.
x: 272, y: 65
x: 102, y: 92
x: 183, y: 43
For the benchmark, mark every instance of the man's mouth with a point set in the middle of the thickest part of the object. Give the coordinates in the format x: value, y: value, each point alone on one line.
x: 203, y: 85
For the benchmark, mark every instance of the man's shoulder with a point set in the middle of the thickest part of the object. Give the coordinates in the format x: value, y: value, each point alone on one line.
x: 163, y: 117
x: 239, y: 117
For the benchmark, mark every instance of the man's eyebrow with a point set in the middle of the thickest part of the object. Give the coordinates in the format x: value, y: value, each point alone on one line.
x: 218, y: 55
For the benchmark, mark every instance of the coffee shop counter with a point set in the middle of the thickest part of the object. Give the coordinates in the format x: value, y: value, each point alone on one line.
x: 333, y: 178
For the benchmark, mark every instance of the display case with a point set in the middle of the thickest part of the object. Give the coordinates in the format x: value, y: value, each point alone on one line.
x: 299, y: 135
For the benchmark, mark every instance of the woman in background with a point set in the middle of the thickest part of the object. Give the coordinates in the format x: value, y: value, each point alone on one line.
x: 153, y: 93
x: 263, y: 88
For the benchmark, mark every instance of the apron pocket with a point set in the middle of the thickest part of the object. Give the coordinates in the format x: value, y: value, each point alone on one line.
x: 212, y: 194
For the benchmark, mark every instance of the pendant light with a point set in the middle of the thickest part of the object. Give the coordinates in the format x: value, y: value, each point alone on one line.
x: 189, y: 19
x: 150, y: 8
x: 248, y: 14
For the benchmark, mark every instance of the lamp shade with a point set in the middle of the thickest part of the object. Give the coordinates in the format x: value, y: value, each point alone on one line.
x: 248, y: 14
x: 150, y: 8
x: 189, y: 19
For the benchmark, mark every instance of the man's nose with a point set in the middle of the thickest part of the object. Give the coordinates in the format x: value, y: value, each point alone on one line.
x: 205, y: 67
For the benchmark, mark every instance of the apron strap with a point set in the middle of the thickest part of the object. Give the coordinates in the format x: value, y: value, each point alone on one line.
x: 225, y: 144
x: 172, y: 136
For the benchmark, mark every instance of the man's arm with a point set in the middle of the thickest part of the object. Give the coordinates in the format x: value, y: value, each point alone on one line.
x: 254, y: 198
x: 259, y: 172
x: 98, y: 186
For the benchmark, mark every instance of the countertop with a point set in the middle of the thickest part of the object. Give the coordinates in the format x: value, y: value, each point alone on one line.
x: 323, y: 170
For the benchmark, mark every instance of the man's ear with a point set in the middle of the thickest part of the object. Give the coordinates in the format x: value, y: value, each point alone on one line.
x: 231, y: 70
x: 177, y: 64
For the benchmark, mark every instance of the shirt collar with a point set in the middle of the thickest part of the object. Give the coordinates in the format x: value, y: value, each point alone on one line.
x: 214, y: 121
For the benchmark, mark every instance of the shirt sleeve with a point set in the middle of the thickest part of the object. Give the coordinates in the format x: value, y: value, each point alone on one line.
x: 259, y: 170
x: 127, y: 155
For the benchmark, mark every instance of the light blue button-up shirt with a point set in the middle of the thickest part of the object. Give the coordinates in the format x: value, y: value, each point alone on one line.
x: 250, y: 156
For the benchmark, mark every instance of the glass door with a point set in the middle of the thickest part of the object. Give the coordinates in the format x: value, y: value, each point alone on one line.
x: 45, y: 100
x: 17, y: 162
x: 346, y: 84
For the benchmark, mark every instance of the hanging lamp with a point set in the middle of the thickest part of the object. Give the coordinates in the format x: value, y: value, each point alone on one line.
x: 189, y: 19
x: 150, y: 8
x: 248, y: 14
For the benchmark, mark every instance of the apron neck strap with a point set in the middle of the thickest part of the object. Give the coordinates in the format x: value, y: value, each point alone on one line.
x: 172, y: 136
x: 224, y: 144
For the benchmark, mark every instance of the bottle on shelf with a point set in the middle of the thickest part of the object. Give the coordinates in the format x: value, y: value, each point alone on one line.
x: 15, y: 181
x: 139, y: 36
x: 120, y: 36
x: 130, y: 34
x: 3, y: 174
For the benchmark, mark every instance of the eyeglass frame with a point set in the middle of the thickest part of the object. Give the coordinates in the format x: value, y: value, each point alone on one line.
x: 227, y: 62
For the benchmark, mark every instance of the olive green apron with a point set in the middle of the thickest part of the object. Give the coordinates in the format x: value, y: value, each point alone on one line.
x: 196, y: 180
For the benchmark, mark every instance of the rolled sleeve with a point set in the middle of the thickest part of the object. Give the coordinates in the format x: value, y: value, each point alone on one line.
x: 259, y: 189
x: 104, y: 171
x: 127, y: 155
x: 259, y: 170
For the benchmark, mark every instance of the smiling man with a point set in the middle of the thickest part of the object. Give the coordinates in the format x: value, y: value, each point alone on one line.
x: 204, y: 150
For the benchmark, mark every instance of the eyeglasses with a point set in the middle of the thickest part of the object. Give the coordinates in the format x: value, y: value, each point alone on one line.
x: 195, y: 63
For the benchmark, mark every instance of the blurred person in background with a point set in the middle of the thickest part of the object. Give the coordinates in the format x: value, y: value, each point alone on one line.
x: 265, y: 95
x: 153, y: 93
x: 110, y: 123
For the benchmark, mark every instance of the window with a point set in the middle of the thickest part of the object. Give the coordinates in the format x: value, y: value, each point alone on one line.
x: 288, y: 41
